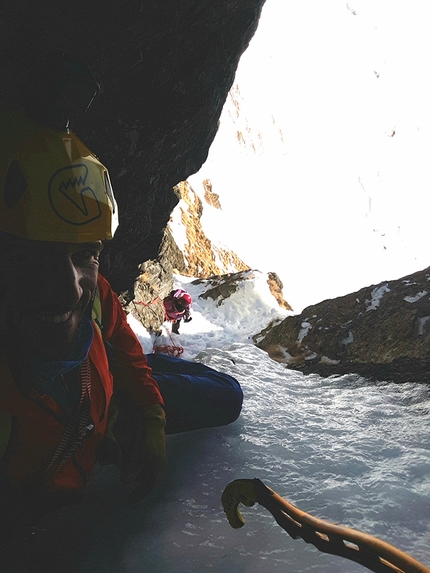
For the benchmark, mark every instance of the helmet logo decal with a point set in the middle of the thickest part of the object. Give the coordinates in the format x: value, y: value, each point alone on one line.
x: 71, y: 197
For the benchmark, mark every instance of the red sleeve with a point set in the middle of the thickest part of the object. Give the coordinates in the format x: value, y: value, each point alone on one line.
x: 131, y: 371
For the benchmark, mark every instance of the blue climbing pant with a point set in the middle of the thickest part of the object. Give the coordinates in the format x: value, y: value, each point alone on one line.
x: 195, y: 396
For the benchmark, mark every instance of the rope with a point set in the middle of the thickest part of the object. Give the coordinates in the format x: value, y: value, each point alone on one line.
x: 148, y: 304
x: 172, y: 350
x: 158, y: 299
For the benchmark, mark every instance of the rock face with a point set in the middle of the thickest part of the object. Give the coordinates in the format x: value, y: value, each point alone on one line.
x: 221, y: 287
x: 197, y: 256
x: 202, y: 257
x: 382, y: 332
x: 186, y: 249
x: 165, y: 68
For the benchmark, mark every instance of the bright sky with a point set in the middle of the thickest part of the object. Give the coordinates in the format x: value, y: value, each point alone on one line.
x: 323, y: 174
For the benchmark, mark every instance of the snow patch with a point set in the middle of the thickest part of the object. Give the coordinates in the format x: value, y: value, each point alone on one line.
x: 177, y: 228
x: 327, y: 360
x: 377, y: 294
x: 311, y: 356
x: 306, y: 326
x: 416, y: 297
x: 421, y: 323
x: 287, y: 356
x: 349, y: 339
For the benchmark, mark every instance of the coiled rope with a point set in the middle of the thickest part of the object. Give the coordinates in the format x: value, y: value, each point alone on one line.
x: 171, y: 349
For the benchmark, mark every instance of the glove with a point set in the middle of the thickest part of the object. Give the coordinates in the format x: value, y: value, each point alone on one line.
x: 144, y: 458
x: 109, y: 451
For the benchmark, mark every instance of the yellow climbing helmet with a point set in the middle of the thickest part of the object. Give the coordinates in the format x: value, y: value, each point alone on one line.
x: 52, y: 188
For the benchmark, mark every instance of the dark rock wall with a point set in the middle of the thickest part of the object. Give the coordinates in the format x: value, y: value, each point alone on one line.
x: 165, y: 68
x: 381, y: 331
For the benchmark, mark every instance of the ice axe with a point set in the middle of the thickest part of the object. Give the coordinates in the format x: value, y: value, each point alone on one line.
x: 369, y: 551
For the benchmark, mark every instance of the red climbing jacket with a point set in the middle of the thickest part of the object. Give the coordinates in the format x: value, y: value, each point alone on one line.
x: 39, y: 424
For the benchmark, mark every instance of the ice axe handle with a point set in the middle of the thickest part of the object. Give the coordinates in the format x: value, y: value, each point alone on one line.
x: 369, y: 551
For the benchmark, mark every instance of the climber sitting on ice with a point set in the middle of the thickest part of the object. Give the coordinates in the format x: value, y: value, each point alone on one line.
x: 177, y: 305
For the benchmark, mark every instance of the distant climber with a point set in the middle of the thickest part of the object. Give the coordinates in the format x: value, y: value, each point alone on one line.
x: 177, y: 305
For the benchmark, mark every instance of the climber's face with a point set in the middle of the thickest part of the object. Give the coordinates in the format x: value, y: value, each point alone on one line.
x: 181, y: 304
x: 45, y: 288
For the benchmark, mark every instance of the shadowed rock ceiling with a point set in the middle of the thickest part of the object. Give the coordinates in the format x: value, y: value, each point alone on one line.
x: 165, y: 68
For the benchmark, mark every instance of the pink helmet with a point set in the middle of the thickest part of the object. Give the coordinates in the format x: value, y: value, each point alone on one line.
x: 184, y: 295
